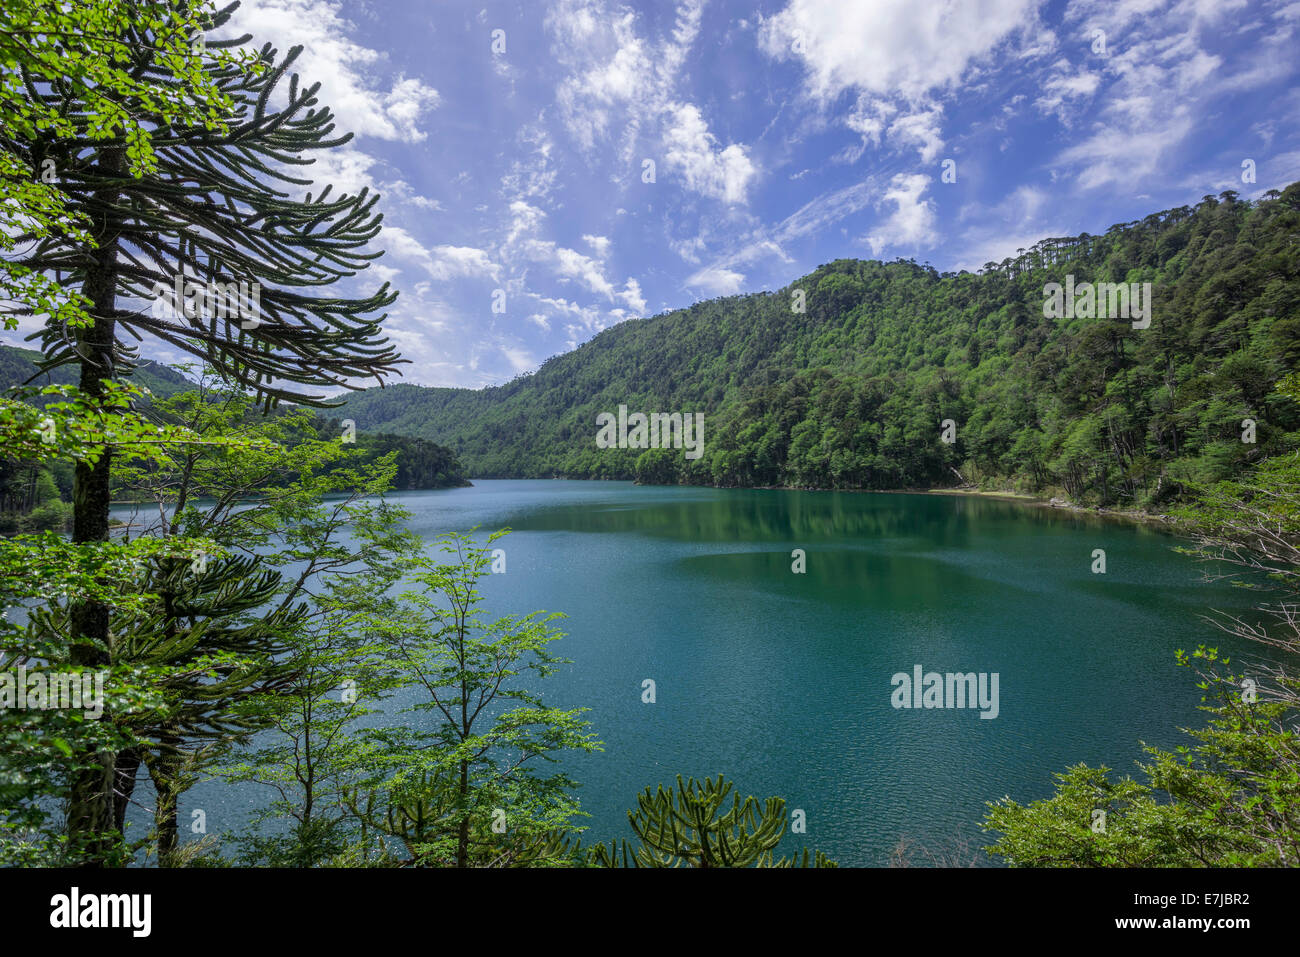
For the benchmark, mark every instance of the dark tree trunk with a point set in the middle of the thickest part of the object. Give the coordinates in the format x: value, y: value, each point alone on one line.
x: 124, y: 772
x: 92, y: 809
x: 165, y: 770
x: 462, y: 841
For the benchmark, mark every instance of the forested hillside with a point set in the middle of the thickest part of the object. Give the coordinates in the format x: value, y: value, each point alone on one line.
x: 35, y: 495
x: 851, y: 392
x: 19, y: 366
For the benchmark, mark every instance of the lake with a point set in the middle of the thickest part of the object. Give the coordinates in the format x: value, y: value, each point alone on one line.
x: 784, y: 682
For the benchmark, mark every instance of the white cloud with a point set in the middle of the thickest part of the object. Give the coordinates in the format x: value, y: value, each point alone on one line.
x: 717, y: 281
x: 381, y: 272
x: 562, y: 306
x: 402, y: 192
x: 524, y: 219
x: 404, y: 104
x: 996, y: 232
x: 920, y: 130
x: 346, y: 168
x: 721, y: 277
x: 868, y: 119
x: 1123, y: 152
x: 691, y: 149
x: 569, y: 264
x: 347, y: 71
x: 618, y: 78
x: 523, y: 244
x: 532, y: 174
x: 631, y: 295
x: 521, y: 360
x: 1066, y: 91
x: 688, y: 249
x: 1164, y: 84
x: 584, y: 321
x: 900, y: 58
x: 912, y: 222
x: 890, y: 47
x: 442, y: 262
x: 818, y: 214
x: 453, y: 262
x: 430, y: 332
x: 598, y: 244
x: 612, y: 65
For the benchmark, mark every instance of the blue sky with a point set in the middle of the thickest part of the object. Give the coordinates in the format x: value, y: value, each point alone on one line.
x: 785, y: 134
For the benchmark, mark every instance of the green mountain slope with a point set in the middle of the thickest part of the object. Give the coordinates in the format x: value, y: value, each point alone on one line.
x: 851, y: 392
x: 18, y: 365
x: 34, y: 496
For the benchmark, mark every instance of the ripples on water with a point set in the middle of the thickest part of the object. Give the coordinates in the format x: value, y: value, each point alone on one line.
x: 782, y: 681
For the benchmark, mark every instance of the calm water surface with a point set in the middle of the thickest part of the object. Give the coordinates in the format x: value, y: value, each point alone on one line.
x: 782, y: 681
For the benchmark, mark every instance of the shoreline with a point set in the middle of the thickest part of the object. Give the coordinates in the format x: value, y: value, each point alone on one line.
x: 1138, y: 516
x: 1156, y: 520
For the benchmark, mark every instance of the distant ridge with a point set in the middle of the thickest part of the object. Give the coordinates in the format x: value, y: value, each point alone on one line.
x: 17, y: 365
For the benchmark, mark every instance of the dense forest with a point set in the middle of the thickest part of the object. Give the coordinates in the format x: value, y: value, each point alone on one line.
x: 36, y: 495
x: 851, y: 392
x: 19, y: 367
x: 421, y: 464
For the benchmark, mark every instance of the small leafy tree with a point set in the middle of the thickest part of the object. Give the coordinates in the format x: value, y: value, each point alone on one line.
x: 339, y: 675
x: 470, y: 789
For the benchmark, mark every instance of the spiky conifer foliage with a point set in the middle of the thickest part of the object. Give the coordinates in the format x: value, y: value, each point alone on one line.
x: 217, y: 210
x: 221, y: 208
x: 687, y: 827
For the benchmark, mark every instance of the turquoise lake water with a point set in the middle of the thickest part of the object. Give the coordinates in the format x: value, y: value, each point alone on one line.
x: 783, y: 681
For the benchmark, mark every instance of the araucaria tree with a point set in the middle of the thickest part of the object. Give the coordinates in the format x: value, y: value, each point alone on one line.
x: 693, y: 827
x: 218, y: 219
